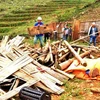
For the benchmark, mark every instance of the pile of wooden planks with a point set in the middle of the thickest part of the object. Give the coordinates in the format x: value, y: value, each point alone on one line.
x: 19, y: 69
x: 22, y: 65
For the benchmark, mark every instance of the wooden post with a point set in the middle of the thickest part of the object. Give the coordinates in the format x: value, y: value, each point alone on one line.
x: 76, y: 29
x: 75, y: 53
x: 67, y: 63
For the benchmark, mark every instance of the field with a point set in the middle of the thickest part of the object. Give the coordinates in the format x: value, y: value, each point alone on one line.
x: 16, y: 17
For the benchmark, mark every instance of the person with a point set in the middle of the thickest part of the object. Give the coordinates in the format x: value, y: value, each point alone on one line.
x: 47, y: 33
x: 55, y: 35
x: 40, y: 35
x: 70, y: 33
x: 93, y: 32
x: 65, y: 32
x: 56, y: 32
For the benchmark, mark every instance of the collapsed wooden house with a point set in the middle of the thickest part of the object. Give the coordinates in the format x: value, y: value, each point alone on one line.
x: 22, y: 65
x: 16, y: 64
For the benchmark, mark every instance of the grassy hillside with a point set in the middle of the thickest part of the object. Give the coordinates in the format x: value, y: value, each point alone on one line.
x: 91, y: 12
x: 16, y: 17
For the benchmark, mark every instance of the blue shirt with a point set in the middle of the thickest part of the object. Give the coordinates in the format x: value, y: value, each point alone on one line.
x: 36, y: 24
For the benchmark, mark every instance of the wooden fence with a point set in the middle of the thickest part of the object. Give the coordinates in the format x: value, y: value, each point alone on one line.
x: 84, y: 26
x: 78, y: 27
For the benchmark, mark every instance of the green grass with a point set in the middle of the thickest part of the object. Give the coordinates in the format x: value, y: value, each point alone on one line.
x: 5, y: 30
x: 21, y: 15
x: 72, y: 90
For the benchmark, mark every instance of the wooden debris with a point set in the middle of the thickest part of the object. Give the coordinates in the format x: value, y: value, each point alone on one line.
x: 32, y: 67
x: 42, y: 86
x: 96, y: 90
x: 2, y: 92
x: 16, y: 90
x: 46, y: 75
x: 14, y: 66
x: 66, y: 64
x: 75, y: 54
x: 71, y: 76
x: 3, y: 43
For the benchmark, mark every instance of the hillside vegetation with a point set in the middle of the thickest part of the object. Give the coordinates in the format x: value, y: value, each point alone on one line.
x: 16, y: 17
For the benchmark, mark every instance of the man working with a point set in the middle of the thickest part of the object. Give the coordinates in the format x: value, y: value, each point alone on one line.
x: 70, y: 33
x: 65, y: 32
x: 47, y: 33
x: 39, y: 36
x: 93, y: 33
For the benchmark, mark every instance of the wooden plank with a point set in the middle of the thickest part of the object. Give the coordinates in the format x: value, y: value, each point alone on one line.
x: 35, y: 30
x: 42, y: 86
x: 15, y: 41
x: 50, y: 71
x: 47, y: 57
x: 44, y: 79
x: 48, y: 83
x: 14, y: 66
x: 53, y: 79
x: 2, y: 92
x: 3, y: 43
x: 4, y: 61
x: 12, y: 56
x: 66, y: 74
x: 30, y: 68
x: 16, y: 83
x: 51, y: 56
x: 18, y: 40
x: 19, y: 51
x: 23, y: 75
x: 17, y: 90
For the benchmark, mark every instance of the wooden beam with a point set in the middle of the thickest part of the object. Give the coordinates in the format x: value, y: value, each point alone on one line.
x: 77, y: 56
x: 71, y: 76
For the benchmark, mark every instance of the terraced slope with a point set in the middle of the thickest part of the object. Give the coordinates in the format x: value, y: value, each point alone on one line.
x: 16, y: 16
x: 91, y: 13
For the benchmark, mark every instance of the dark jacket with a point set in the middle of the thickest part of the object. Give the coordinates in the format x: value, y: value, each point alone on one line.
x: 91, y: 31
